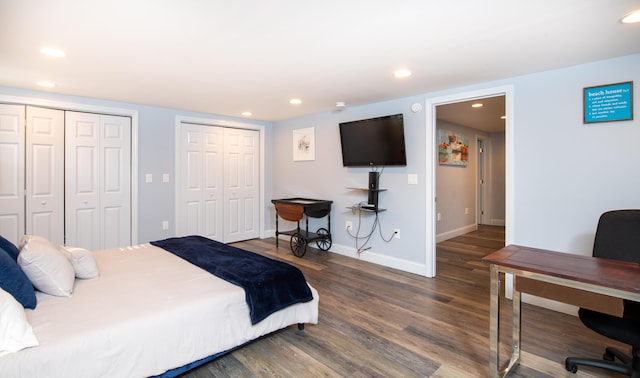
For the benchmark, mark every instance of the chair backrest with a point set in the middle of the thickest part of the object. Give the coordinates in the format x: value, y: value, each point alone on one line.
x: 618, y: 236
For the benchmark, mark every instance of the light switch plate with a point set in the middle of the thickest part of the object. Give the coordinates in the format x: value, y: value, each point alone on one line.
x: 412, y: 179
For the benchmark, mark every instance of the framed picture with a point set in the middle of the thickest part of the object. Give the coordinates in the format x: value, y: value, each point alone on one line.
x: 304, y: 144
x: 608, y: 103
x: 453, y: 148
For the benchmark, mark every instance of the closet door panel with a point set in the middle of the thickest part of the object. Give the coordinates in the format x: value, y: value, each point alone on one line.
x: 251, y: 187
x: 82, y: 180
x: 192, y: 192
x: 45, y: 173
x: 12, y: 165
x: 190, y: 225
x: 115, y: 181
x: 213, y: 190
x: 241, y: 184
x: 189, y: 181
x: 199, y: 160
x: 82, y: 232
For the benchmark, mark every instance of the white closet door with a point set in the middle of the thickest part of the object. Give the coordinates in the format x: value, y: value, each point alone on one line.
x: 45, y: 173
x: 12, y: 147
x: 82, y: 187
x: 115, y: 181
x: 200, y: 181
x: 98, y: 180
x: 241, y: 184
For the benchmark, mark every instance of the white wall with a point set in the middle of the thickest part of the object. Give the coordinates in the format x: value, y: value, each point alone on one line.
x: 456, y: 188
x: 326, y: 178
x: 567, y: 173
x: 563, y: 173
x: 495, y: 210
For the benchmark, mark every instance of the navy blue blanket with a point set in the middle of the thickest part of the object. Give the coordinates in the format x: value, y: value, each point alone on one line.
x: 269, y: 285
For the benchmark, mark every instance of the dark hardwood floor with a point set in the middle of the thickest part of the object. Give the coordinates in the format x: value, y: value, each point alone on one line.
x: 380, y: 322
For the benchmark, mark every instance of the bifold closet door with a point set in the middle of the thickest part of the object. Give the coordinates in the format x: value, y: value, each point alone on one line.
x: 217, y: 172
x: 12, y: 145
x: 199, y: 162
x: 97, y: 180
x: 44, y: 177
x: 31, y: 172
x: 241, y: 184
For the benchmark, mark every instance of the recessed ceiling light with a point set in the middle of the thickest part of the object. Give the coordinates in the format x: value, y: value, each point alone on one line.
x: 56, y: 53
x: 247, y: 114
x: 476, y: 105
x: 341, y: 104
x: 46, y: 84
x: 400, y: 74
x: 295, y: 101
x: 631, y: 18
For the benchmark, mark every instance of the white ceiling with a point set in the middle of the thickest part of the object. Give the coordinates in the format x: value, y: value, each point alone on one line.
x: 226, y: 57
x: 486, y: 118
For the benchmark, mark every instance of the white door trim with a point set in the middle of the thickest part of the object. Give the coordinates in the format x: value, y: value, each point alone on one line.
x: 430, y: 159
x: 223, y: 123
x: 75, y: 106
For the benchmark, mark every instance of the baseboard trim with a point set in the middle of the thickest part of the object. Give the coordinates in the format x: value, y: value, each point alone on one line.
x: 497, y: 222
x: 372, y: 257
x: 457, y: 232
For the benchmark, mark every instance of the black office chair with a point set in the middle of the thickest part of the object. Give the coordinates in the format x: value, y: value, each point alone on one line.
x: 618, y: 238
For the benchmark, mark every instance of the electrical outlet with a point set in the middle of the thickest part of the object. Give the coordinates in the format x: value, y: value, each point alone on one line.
x: 396, y: 233
x: 165, y: 225
x: 466, y: 210
x: 438, y: 217
x: 348, y: 225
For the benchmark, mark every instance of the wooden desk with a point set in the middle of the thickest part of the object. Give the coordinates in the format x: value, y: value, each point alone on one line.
x: 609, y: 277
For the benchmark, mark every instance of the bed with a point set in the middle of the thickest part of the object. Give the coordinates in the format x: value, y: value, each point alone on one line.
x: 150, y: 312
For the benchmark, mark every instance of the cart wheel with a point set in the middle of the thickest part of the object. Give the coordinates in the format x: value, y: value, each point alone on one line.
x: 298, y: 244
x: 325, y: 242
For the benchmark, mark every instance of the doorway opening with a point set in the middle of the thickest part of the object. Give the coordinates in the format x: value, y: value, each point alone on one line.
x: 457, y: 202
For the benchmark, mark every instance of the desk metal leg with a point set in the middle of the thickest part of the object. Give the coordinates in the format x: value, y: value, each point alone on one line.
x: 494, y: 322
x: 516, y: 322
x: 494, y: 328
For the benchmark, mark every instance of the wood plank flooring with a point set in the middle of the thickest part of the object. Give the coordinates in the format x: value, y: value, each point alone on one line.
x: 380, y: 322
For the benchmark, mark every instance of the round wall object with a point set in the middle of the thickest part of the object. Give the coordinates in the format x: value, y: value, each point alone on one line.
x: 416, y: 107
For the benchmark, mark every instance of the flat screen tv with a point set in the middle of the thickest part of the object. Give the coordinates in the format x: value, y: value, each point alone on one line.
x: 373, y: 142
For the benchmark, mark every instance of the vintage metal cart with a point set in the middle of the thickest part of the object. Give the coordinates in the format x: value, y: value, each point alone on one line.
x: 293, y: 210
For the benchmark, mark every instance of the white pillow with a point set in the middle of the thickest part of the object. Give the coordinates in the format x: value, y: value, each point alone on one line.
x: 15, y: 331
x: 82, y: 261
x: 46, y: 267
x: 26, y: 238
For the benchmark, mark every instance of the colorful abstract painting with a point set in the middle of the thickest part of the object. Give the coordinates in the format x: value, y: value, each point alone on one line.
x: 453, y: 148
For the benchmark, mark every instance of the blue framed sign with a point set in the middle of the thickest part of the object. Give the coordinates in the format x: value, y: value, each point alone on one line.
x: 608, y: 103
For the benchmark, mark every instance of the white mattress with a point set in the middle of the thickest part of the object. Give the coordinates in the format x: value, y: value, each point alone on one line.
x: 148, y: 312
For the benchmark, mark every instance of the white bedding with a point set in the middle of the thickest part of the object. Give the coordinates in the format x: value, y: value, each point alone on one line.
x: 148, y: 312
